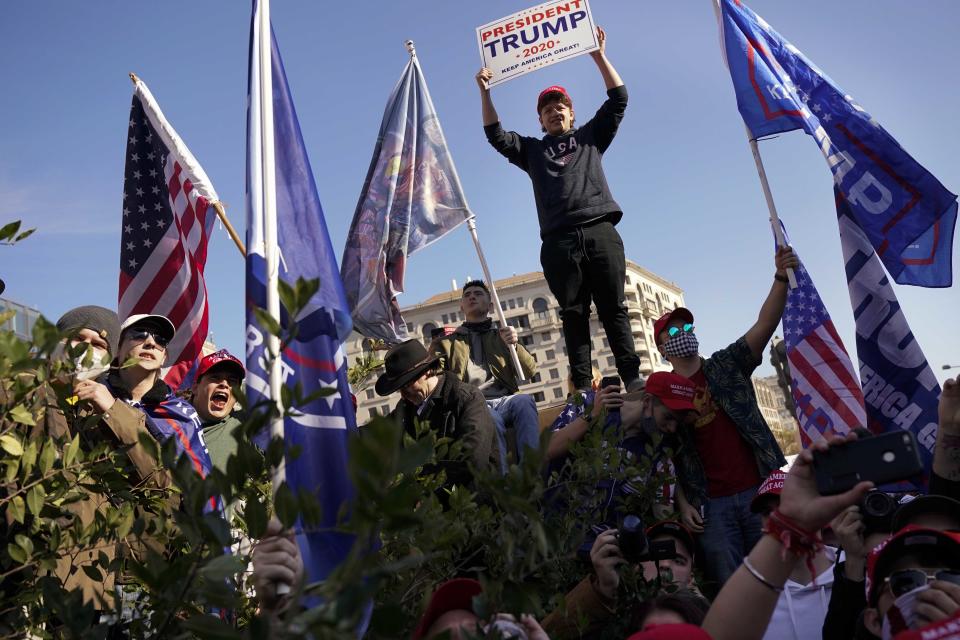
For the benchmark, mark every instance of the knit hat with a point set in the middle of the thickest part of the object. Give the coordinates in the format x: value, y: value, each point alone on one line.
x: 100, y: 320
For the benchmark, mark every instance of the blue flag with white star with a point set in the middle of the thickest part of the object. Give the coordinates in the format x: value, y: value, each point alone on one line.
x: 315, y: 358
x: 907, y: 214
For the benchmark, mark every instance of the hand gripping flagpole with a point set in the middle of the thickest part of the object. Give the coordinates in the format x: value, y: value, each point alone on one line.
x: 472, y: 226
x: 755, y: 149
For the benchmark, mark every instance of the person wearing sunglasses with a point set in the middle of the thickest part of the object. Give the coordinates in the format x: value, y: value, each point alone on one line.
x: 913, y: 580
x: 728, y: 452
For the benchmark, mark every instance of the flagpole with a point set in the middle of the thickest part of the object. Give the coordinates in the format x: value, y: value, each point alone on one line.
x: 472, y: 226
x: 222, y: 214
x: 771, y: 207
x: 271, y: 253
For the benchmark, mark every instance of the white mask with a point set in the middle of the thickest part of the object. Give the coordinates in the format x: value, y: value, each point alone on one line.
x: 902, y: 614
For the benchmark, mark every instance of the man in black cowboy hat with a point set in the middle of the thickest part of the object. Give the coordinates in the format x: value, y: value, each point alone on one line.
x: 452, y: 408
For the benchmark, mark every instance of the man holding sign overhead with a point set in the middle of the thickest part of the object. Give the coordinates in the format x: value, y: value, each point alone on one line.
x: 582, y: 253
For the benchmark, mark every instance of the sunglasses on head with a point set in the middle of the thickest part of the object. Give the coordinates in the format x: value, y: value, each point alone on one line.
x: 909, y: 579
x: 687, y: 328
x: 139, y: 335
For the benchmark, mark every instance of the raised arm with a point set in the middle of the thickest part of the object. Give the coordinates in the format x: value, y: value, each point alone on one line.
x: 488, y: 111
x: 610, y: 76
x: 770, y: 313
x: 744, y: 605
x: 946, y: 453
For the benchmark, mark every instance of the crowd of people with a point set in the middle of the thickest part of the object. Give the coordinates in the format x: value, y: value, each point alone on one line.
x: 735, y: 546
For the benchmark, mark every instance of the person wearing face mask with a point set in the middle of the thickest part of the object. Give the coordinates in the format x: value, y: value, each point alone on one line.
x: 730, y: 449
x: 212, y: 396
x: 913, y: 580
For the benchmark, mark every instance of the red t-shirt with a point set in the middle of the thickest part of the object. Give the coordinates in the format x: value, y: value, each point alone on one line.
x: 727, y: 459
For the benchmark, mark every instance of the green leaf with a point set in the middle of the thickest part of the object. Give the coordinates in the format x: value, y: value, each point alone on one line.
x: 255, y: 515
x: 16, y: 553
x: 223, y: 567
x: 125, y: 524
x: 9, y: 230
x: 47, y: 456
x: 11, y: 445
x: 22, y: 415
x: 17, y: 509
x: 267, y: 321
x: 35, y: 497
x: 208, y: 626
x: 24, y: 235
x: 286, y: 505
x: 24, y: 543
x: 70, y: 451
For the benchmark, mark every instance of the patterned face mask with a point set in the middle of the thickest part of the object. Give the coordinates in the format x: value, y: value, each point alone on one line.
x: 682, y: 345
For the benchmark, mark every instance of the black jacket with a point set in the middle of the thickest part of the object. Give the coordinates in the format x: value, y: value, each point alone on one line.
x: 844, y: 614
x: 458, y: 412
x: 568, y: 181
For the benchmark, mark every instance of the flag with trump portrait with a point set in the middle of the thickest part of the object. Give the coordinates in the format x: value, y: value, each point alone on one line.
x: 826, y: 393
x: 411, y: 198
x: 314, y: 359
x: 168, y: 216
x: 907, y: 214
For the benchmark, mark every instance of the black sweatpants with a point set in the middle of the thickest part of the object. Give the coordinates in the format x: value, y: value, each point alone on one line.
x: 582, y: 264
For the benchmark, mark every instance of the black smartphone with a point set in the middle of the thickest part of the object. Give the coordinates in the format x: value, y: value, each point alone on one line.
x: 610, y: 381
x: 884, y: 458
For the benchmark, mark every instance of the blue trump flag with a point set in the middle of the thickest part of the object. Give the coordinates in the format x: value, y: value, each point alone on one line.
x: 411, y: 198
x: 315, y: 359
x: 908, y: 216
x: 899, y: 388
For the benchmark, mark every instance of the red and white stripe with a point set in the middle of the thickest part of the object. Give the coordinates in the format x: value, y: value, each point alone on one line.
x: 822, y: 369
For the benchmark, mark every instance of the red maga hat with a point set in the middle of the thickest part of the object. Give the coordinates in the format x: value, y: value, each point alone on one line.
x: 771, y: 487
x: 660, y: 325
x: 452, y: 595
x: 220, y: 358
x: 672, y: 389
x: 554, y: 88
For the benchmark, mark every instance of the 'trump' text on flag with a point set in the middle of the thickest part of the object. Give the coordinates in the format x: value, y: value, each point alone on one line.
x: 908, y: 216
x: 900, y: 390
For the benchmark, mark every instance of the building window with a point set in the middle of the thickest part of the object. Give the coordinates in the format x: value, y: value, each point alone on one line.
x: 512, y: 303
x: 503, y: 305
x: 540, y: 307
x: 427, y: 331
x: 539, y: 397
x: 558, y: 392
x: 611, y: 361
x: 526, y: 341
x: 520, y: 302
x: 546, y: 336
x: 384, y: 409
x: 443, y: 319
x: 369, y: 394
x: 550, y: 354
x: 535, y: 378
x: 519, y: 322
x: 373, y: 413
x: 606, y: 344
x: 409, y: 327
x: 554, y: 374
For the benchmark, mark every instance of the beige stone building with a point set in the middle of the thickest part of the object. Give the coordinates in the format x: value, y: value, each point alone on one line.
x: 530, y: 307
x: 778, y: 416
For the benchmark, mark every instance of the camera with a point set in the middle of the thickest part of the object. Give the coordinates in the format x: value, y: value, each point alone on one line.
x: 636, y: 548
x: 877, y: 509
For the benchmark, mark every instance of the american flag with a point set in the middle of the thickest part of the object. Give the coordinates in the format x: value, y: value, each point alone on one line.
x: 167, y: 219
x: 826, y: 392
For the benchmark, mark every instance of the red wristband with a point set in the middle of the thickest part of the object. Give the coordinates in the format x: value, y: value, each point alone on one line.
x: 795, y: 539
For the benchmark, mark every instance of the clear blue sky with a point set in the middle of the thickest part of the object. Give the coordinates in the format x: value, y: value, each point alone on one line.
x: 680, y: 166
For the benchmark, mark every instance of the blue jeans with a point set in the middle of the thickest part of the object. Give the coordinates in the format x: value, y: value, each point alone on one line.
x: 729, y: 532
x: 520, y: 412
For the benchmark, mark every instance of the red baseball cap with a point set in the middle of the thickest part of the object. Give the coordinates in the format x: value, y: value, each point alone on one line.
x: 676, y: 530
x: 220, y: 358
x: 946, y: 544
x: 452, y: 595
x: 772, y: 486
x: 660, y: 325
x: 948, y: 629
x: 671, y: 632
x: 672, y: 389
x: 554, y: 88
